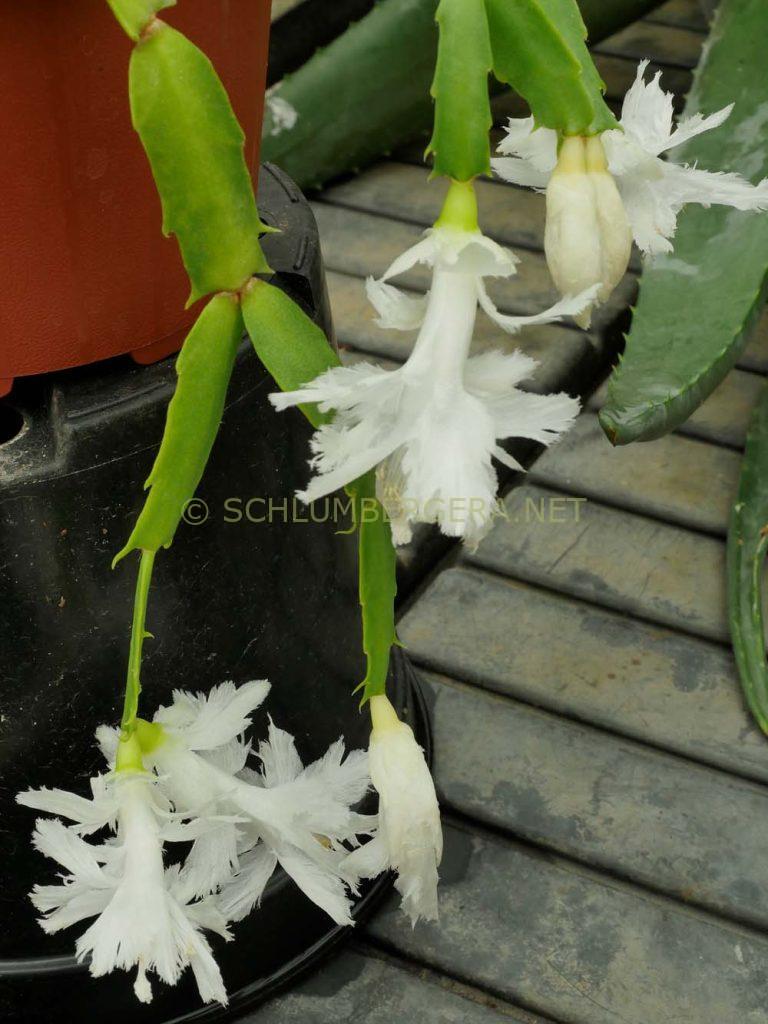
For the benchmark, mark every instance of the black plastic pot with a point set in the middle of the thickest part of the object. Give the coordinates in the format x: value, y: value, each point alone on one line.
x: 236, y: 597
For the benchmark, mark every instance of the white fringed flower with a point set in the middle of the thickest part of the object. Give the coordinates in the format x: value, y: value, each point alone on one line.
x: 252, y: 821
x: 143, y: 920
x: 433, y: 426
x: 588, y: 231
x: 409, y: 839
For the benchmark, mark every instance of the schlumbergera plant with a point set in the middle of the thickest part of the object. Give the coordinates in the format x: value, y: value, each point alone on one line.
x: 416, y: 445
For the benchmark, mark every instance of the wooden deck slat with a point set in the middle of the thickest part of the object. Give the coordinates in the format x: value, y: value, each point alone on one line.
x: 677, y: 479
x: 404, y: 192
x: 602, y: 799
x: 636, y: 679
x: 682, y: 13
x: 673, y: 47
x: 559, y: 351
x: 356, y: 987
x: 613, y: 558
x: 359, y: 244
x: 580, y: 947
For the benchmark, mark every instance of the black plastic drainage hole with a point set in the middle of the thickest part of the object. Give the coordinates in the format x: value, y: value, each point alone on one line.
x: 11, y: 423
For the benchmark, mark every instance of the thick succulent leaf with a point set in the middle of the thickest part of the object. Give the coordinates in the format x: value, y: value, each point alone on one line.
x: 460, y: 141
x: 135, y: 15
x: 383, y: 75
x: 195, y: 146
x: 378, y: 583
x: 747, y: 546
x: 539, y: 48
x: 293, y: 349
x: 204, y: 368
x: 697, y: 306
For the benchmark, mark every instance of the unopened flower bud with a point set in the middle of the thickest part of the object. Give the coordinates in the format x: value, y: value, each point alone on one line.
x: 588, y: 239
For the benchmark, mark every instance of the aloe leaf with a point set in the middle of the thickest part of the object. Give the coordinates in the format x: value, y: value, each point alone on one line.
x: 747, y: 547
x: 697, y: 306
x: 539, y: 48
x: 292, y: 347
x: 135, y: 15
x: 460, y: 141
x: 204, y: 368
x: 195, y: 146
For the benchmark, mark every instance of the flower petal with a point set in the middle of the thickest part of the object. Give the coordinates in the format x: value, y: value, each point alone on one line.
x: 208, y: 720
x: 324, y: 888
x: 396, y: 309
x: 280, y: 761
x: 240, y: 895
x: 647, y: 112
x: 698, y: 123
x: 569, y: 305
x: 425, y: 251
x: 536, y: 146
x: 520, y: 172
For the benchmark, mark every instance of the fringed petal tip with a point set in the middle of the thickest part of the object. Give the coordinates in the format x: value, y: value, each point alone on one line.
x: 396, y: 310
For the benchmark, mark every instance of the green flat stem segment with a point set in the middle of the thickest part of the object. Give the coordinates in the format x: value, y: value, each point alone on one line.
x: 204, y: 368
x: 135, y: 15
x: 539, y: 49
x: 375, y: 79
x: 747, y: 547
x: 293, y: 349
x: 697, y: 306
x: 195, y: 147
x: 138, y: 635
x: 377, y: 566
x: 460, y: 142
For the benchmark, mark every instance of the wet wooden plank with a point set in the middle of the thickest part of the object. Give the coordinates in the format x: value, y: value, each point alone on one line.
x: 604, y: 800
x: 678, y: 479
x: 402, y: 191
x: 667, y: 45
x: 616, y: 559
x: 580, y: 947
x: 681, y: 13
x: 359, y: 244
x: 562, y: 354
x: 643, y: 681
x: 358, y: 986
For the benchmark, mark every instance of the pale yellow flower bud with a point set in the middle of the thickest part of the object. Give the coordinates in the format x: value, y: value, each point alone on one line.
x: 588, y: 239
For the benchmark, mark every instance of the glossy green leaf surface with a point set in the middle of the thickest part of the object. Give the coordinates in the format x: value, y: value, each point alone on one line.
x: 539, y: 48
x: 292, y: 347
x: 378, y: 583
x: 697, y: 305
x: 376, y: 79
x: 747, y: 547
x: 135, y: 15
x: 204, y: 368
x: 195, y: 146
x: 460, y: 142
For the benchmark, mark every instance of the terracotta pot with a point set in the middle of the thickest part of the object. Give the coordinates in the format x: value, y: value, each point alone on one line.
x: 86, y: 273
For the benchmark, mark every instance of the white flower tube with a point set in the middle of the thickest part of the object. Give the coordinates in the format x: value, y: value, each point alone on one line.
x: 433, y: 426
x: 652, y: 191
x: 409, y: 839
x: 142, y: 919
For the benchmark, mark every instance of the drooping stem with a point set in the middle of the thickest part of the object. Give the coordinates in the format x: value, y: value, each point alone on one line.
x: 138, y: 635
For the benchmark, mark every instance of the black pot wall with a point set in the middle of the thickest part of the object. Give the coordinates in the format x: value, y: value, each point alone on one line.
x: 232, y: 599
